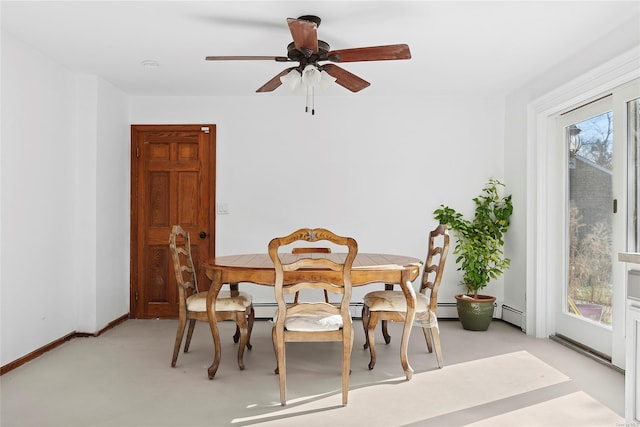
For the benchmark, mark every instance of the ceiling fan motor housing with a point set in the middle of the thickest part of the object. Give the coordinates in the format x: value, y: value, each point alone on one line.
x: 308, y: 57
x: 311, y: 18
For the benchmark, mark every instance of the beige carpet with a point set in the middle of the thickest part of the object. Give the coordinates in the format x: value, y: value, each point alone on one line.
x: 575, y: 409
x: 123, y: 379
x: 454, y: 388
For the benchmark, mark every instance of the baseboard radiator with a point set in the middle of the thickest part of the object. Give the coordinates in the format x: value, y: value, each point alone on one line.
x: 446, y: 310
x: 513, y: 316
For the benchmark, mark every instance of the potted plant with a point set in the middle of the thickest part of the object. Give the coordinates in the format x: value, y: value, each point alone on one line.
x: 479, y: 250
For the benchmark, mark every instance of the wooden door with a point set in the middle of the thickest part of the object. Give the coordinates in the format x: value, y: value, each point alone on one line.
x: 172, y: 182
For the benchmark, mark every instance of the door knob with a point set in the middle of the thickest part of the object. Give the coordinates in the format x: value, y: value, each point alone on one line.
x: 203, y: 235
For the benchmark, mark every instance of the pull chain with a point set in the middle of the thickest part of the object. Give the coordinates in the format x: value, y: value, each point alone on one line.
x: 311, y: 101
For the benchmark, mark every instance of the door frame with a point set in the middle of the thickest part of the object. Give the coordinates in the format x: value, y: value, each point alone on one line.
x: 544, y: 261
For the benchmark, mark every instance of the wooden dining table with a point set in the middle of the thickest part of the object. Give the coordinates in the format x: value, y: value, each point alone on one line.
x: 258, y: 268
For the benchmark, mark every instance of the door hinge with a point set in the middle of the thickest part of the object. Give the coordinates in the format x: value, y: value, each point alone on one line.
x: 205, y: 129
x: 136, y: 296
x: 137, y: 152
x: 615, y: 205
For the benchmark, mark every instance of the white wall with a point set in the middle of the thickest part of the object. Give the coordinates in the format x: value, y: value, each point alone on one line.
x: 85, y: 161
x: 385, y: 165
x: 113, y: 189
x: 58, y: 193
x: 38, y: 178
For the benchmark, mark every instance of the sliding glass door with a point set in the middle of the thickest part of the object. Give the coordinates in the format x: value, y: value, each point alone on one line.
x: 586, y: 296
x: 599, y: 150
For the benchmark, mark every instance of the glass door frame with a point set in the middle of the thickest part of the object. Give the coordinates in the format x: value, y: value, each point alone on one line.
x: 593, y: 335
x: 543, y: 259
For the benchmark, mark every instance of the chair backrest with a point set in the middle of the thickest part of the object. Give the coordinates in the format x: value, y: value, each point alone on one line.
x: 180, y: 244
x: 434, y: 265
x: 310, y: 250
x: 288, y: 266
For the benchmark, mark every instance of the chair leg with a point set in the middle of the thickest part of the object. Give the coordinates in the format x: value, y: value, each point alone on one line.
x: 251, y: 318
x: 279, y: 346
x: 428, y: 338
x: 236, y: 335
x: 182, y: 322
x: 347, y: 347
x: 436, y: 345
x: 373, y: 321
x: 241, y: 325
x: 385, y: 332
x: 192, y: 325
x: 275, y: 348
x: 365, y: 325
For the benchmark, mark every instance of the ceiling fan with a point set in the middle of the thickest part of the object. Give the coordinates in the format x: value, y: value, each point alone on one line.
x: 308, y: 51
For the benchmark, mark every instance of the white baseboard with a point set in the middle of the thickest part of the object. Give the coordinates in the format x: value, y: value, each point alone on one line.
x: 445, y: 310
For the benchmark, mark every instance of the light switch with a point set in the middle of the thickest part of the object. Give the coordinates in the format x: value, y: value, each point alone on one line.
x: 223, y: 208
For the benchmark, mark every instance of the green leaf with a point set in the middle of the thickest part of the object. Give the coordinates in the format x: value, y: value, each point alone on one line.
x: 479, y: 241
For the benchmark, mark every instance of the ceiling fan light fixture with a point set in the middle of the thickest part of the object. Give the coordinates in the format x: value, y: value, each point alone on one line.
x: 306, y: 82
x: 327, y: 80
x: 311, y: 76
x: 292, y: 79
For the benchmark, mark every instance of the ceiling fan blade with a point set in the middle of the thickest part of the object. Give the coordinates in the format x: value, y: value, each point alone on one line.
x: 374, y: 53
x: 275, y: 82
x: 345, y: 78
x: 304, y: 33
x: 247, y: 58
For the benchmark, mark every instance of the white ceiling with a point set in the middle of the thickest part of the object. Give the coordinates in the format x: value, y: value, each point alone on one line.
x: 456, y: 46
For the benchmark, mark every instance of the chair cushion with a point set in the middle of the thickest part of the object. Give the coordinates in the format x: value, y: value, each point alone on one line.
x: 394, y: 301
x: 312, y: 321
x: 225, y: 302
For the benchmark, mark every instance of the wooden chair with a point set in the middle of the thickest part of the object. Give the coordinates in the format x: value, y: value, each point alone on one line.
x: 311, y: 250
x: 312, y: 321
x: 390, y: 305
x: 193, y: 303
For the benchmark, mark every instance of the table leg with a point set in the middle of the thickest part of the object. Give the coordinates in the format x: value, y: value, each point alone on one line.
x: 410, y: 295
x: 216, y: 283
